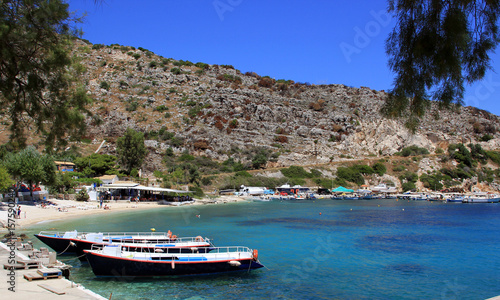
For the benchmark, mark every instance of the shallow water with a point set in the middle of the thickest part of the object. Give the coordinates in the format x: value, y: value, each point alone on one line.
x: 354, y: 249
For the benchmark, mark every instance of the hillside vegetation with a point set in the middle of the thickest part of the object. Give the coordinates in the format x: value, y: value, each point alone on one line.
x: 202, y: 121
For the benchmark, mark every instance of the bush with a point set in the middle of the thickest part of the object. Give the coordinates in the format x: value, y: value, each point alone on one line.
x: 350, y: 174
x: 82, y: 196
x: 243, y: 174
x: 132, y: 105
x: 363, y: 169
x: 161, y: 108
x: 379, y: 168
x: 259, y: 160
x: 202, y: 66
x: 461, y: 154
x: 409, y: 176
x: 266, y: 82
x: 197, y: 191
x: 486, y: 137
x: 399, y: 168
x: 295, y: 172
x: 283, y: 139
x: 176, y: 71
x: 207, y: 180
x: 408, y: 186
x: 230, y: 78
x: 318, y: 105
x: 413, y: 150
x: 105, y: 85
x: 494, y: 156
x: 431, y: 182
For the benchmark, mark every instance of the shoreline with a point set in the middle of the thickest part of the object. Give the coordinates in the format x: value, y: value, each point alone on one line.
x: 64, y: 209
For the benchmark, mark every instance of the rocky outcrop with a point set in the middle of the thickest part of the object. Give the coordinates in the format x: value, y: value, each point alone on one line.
x: 305, y: 124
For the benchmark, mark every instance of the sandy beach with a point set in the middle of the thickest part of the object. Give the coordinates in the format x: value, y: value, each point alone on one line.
x: 64, y: 209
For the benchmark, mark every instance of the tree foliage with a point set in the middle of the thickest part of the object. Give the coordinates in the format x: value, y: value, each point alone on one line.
x: 37, y: 85
x: 131, y: 149
x: 350, y: 174
x: 436, y: 47
x: 5, y: 180
x: 96, y: 164
x: 379, y: 168
x: 30, y: 166
x: 412, y: 151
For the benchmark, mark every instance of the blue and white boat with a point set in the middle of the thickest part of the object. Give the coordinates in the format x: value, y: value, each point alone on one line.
x: 481, y: 198
x: 114, y: 261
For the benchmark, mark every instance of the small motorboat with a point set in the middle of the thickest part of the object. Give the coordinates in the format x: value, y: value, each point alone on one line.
x: 117, y: 261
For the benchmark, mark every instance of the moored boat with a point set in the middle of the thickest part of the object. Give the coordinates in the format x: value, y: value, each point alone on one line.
x: 72, y: 242
x: 114, y: 261
x: 481, y: 198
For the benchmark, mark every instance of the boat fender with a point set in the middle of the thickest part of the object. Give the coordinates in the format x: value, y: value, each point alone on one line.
x: 234, y: 263
x: 199, y: 238
x: 255, y: 254
x: 173, y: 264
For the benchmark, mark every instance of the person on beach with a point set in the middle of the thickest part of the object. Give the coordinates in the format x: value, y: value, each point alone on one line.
x: 19, y: 212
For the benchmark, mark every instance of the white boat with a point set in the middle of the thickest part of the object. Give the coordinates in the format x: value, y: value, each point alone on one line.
x: 482, y: 198
x: 379, y: 187
x: 251, y: 191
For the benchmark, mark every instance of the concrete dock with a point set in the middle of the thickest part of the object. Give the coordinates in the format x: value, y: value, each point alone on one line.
x: 53, y: 287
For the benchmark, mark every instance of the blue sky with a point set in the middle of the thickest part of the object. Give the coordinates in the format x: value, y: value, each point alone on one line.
x: 319, y: 41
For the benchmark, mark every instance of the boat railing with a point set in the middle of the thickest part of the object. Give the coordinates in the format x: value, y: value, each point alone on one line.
x: 130, y: 237
x: 122, y: 235
x: 108, y: 234
x: 59, y: 234
x: 156, y: 240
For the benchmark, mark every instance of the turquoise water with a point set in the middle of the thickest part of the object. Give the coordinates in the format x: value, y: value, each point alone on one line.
x: 375, y: 249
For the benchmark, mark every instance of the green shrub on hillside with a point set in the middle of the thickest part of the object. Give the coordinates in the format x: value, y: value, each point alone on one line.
x: 105, y: 85
x: 176, y: 71
x: 295, y: 172
x: 409, y: 177
x: 486, y: 138
x: 161, y: 108
x: 350, y: 174
x: 379, y: 168
x: 432, y: 181
x: 494, y: 156
x: 408, y: 186
x: 461, y: 154
x: 412, y: 151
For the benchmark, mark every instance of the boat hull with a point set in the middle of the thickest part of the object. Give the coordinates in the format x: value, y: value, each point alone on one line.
x: 109, y: 266
x: 481, y: 200
x: 59, y: 244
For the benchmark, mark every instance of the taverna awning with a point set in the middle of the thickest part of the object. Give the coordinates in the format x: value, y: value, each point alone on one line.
x: 342, y: 189
x: 158, y: 189
x: 136, y: 186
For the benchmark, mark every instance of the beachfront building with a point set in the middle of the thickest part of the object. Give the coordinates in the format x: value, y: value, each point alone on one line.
x: 108, y: 179
x: 65, y: 166
x: 133, y: 191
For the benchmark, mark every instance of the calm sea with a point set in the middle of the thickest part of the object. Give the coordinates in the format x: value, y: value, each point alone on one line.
x: 323, y: 249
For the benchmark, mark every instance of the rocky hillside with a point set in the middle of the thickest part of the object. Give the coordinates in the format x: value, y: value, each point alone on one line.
x: 216, y: 111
